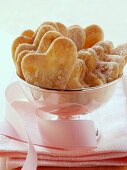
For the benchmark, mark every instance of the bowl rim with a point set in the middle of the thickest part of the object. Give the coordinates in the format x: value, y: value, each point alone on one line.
x: 87, y: 89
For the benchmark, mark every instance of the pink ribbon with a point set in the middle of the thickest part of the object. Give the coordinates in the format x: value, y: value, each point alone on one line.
x: 60, y: 134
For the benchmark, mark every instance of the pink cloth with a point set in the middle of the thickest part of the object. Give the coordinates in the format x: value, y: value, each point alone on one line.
x: 111, y: 120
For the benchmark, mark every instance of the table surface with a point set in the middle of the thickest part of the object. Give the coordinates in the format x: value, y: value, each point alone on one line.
x: 19, y: 15
x: 98, y: 168
x: 2, y: 167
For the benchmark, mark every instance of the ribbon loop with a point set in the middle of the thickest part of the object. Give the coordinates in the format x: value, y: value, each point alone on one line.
x: 61, y: 134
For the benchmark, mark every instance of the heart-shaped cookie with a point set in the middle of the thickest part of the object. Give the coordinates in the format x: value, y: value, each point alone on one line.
x: 109, y: 69
x: 26, y: 46
x: 52, y: 69
x: 47, y: 40
x: 99, y: 51
x: 58, y: 26
x: 28, y: 33
x: 44, y: 44
x: 121, y: 50
x: 120, y: 60
x: 19, y: 40
x: 107, y: 46
x: 92, y: 79
x: 89, y: 58
x: 94, y: 34
x: 77, y: 34
x: 76, y: 80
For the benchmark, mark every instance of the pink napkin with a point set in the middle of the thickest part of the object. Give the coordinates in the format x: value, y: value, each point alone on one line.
x: 111, y: 121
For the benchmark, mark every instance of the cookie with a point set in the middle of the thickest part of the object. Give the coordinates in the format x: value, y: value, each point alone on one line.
x: 44, y: 44
x: 92, y: 79
x: 106, y: 45
x: 89, y: 59
x: 121, y: 50
x: 52, y: 69
x: 94, y: 34
x: 109, y: 69
x: 76, y: 80
x: 77, y: 35
x: 120, y: 60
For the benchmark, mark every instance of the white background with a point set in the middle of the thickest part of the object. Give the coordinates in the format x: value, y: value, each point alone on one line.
x: 17, y: 15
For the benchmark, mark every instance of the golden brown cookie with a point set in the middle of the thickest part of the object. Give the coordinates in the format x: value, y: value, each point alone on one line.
x: 24, y: 49
x: 26, y: 46
x: 121, y: 50
x: 76, y: 80
x: 62, y: 29
x: 53, y: 24
x: 28, y: 33
x: 42, y: 30
x: 89, y: 58
x: 47, y: 39
x: 19, y: 40
x: 52, y: 69
x: 76, y: 33
x: 18, y: 62
x: 92, y: 51
x: 109, y: 69
x: 118, y: 59
x: 30, y: 43
x: 99, y: 51
x: 48, y: 57
x: 107, y: 46
x: 94, y: 34
x: 100, y: 76
x: 92, y: 79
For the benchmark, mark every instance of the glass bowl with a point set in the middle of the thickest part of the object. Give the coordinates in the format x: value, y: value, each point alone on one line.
x: 66, y: 103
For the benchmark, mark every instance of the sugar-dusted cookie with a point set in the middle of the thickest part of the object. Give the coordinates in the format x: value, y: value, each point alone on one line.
x: 92, y: 51
x: 76, y: 33
x: 19, y: 40
x: 109, y: 69
x: 44, y: 44
x: 89, y: 59
x: 18, y: 62
x: 76, y: 80
x: 118, y: 59
x: 100, y: 76
x: 26, y: 37
x: 42, y: 30
x: 26, y: 46
x: 23, y: 47
x: 107, y: 46
x: 99, y: 51
x: 94, y: 34
x: 92, y: 79
x: 58, y: 57
x: 52, y: 69
x: 47, y: 39
x: 121, y: 50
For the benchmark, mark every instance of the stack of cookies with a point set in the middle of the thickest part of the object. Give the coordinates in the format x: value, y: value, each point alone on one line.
x: 58, y: 57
